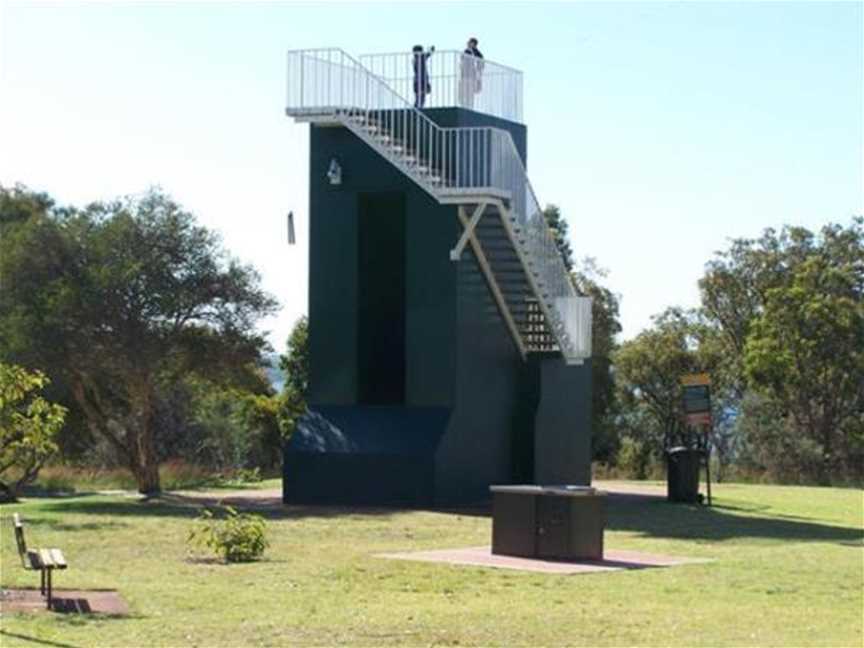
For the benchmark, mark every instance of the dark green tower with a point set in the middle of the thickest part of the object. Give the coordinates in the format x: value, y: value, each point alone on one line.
x: 447, y: 347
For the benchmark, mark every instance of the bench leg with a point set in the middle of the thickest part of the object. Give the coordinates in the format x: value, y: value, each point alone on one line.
x: 42, y: 582
x: 49, y: 587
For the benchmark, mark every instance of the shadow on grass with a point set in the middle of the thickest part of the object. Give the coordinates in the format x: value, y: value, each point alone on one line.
x: 653, y: 516
x: 35, y: 640
x: 173, y: 505
x: 644, y: 514
x: 56, y: 525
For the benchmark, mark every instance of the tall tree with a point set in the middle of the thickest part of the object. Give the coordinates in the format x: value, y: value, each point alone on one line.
x: 119, y: 301
x: 735, y: 287
x: 780, y: 314
x: 295, y: 365
x: 605, y: 327
x: 649, y: 370
x: 806, y: 351
x: 560, y: 228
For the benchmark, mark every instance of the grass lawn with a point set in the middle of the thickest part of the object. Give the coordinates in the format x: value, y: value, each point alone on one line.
x: 788, y: 570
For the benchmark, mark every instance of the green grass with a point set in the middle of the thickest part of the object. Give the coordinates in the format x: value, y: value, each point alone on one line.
x: 787, y: 571
x: 174, y: 475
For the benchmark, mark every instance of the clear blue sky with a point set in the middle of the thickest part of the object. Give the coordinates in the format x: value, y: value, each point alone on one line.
x: 662, y: 130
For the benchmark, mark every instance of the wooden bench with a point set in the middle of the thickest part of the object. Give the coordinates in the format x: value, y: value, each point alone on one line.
x: 45, y: 560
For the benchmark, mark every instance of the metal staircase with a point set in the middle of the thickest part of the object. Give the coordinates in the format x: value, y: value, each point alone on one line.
x: 477, y: 169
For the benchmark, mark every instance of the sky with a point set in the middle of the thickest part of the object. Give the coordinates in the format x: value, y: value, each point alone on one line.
x: 662, y: 130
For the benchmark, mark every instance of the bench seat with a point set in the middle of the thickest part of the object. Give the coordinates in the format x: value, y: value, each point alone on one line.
x: 44, y: 560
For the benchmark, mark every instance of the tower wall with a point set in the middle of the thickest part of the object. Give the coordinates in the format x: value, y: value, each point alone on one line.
x: 470, y: 412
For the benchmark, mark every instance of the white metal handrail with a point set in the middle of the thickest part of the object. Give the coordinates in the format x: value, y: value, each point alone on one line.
x: 454, y: 164
x: 455, y: 79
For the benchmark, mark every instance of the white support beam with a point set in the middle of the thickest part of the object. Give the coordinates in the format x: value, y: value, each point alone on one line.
x: 468, y: 232
x: 493, y: 287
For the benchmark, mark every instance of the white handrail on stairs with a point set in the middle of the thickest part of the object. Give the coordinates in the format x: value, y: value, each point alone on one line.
x: 456, y: 165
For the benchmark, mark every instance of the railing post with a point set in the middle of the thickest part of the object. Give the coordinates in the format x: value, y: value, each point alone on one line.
x: 301, y: 59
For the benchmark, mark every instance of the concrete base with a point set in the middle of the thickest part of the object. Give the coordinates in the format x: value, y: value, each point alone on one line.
x: 483, y: 557
x: 64, y: 600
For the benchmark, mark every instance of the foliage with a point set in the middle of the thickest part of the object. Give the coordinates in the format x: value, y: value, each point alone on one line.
x: 783, y: 317
x: 806, y: 351
x: 221, y: 434
x: 770, y: 444
x: 248, y: 475
x: 559, y: 227
x: 221, y: 427
x: 122, y: 300
x: 605, y: 327
x: 295, y: 365
x: 737, y: 282
x: 649, y: 370
x: 238, y: 537
x: 634, y: 458
x: 261, y: 414
x: 28, y: 427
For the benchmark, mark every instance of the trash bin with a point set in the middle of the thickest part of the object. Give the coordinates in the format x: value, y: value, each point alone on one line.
x: 682, y: 474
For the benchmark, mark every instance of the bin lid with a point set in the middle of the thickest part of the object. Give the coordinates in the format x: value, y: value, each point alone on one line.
x: 683, y: 450
x: 563, y: 490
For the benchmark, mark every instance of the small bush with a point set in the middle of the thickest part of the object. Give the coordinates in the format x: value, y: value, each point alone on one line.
x: 634, y: 459
x: 28, y: 428
x: 248, y: 475
x: 238, y: 537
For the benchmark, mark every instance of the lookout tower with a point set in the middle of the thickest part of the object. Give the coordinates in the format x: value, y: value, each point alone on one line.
x: 448, y: 348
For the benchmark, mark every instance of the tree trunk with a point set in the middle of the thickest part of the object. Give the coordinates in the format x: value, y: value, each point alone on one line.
x: 146, y: 472
x: 7, y: 494
x: 145, y: 465
x: 137, y: 444
x: 827, y: 452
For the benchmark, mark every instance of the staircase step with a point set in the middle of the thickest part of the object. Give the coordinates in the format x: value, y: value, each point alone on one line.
x: 509, y: 265
x: 497, y: 242
x: 500, y: 255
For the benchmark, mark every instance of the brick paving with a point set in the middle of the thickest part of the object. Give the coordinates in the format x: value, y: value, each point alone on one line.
x: 63, y: 600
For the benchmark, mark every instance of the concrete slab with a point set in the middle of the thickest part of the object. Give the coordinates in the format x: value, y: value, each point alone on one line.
x: 614, y: 559
x: 65, y: 601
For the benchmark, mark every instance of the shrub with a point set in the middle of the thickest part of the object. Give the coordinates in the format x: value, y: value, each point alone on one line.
x: 248, y: 475
x: 633, y: 458
x: 238, y: 537
x: 28, y: 427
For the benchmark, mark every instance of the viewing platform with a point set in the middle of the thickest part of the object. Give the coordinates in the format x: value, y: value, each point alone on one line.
x: 456, y: 80
x: 325, y: 78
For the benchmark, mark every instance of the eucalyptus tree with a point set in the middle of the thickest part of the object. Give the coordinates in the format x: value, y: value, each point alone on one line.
x: 121, y: 300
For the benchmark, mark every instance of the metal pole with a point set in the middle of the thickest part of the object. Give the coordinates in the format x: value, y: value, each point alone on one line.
x: 708, y: 470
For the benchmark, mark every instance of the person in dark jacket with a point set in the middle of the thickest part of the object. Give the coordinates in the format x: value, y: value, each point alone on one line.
x: 471, y: 77
x: 422, y: 87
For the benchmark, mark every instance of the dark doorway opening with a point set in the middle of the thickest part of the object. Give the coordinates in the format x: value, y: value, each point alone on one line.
x: 381, y: 295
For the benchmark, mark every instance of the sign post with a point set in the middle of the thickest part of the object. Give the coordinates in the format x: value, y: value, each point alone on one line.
x: 697, y: 413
